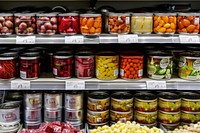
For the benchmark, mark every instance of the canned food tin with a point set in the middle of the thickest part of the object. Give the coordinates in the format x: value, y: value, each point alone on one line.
x: 145, y: 117
x: 74, y: 100
x: 9, y: 114
x: 52, y: 115
x: 32, y: 115
x: 97, y: 117
x: 33, y: 100
x: 116, y: 116
x: 169, y: 117
x: 32, y: 125
x: 53, y: 100
x: 78, y: 126
x: 75, y: 116
x: 98, y: 101
x: 190, y: 117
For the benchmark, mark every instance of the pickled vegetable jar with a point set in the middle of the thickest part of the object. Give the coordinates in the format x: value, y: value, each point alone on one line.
x: 165, y: 23
x: 8, y: 66
x: 63, y: 63
x: 119, y: 23
x: 6, y: 24
x: 131, y: 67
x: 25, y: 24
x: 29, y: 65
x: 90, y: 24
x: 47, y: 23
x: 68, y: 23
x: 107, y: 65
x: 84, y: 63
x: 188, y: 23
x: 142, y: 23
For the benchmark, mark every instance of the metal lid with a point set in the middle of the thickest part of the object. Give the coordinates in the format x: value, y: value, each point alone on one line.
x: 8, y: 56
x: 29, y: 55
x: 68, y: 14
x: 6, y: 14
x: 187, y: 14
x: 145, y: 96
x: 169, y: 96
x: 46, y: 14
x: 190, y: 95
x: 63, y: 54
x: 9, y: 105
x: 142, y: 14
x: 98, y: 95
x: 165, y: 14
x: 122, y: 95
x: 90, y: 15
x: 118, y: 14
x: 24, y: 14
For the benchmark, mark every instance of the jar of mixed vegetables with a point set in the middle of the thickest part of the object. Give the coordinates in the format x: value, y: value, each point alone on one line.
x: 165, y: 23
x: 188, y: 23
x: 6, y: 23
x: 142, y: 23
x: 107, y: 65
x: 90, y: 24
x: 119, y: 23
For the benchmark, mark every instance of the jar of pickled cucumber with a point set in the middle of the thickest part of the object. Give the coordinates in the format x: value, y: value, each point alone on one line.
x: 142, y: 23
x: 107, y: 65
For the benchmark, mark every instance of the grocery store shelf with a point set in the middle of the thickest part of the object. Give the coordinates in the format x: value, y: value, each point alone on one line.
x: 95, y: 84
x: 105, y: 38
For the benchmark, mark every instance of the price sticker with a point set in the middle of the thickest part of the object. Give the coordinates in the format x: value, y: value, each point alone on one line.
x: 75, y: 85
x: 127, y: 38
x: 24, y: 85
x: 74, y: 39
x: 25, y: 39
x: 188, y: 39
x: 156, y: 84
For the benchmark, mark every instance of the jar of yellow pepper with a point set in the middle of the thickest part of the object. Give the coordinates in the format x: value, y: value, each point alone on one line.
x: 107, y: 65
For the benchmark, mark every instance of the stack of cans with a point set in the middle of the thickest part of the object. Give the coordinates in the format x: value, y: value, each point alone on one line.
x: 33, y: 109
x: 52, y: 106
x: 74, y: 108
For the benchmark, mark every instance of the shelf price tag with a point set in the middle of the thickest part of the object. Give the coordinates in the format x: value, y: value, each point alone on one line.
x: 74, y: 39
x: 75, y: 85
x: 188, y: 39
x: 156, y: 84
x: 25, y: 39
x: 127, y: 38
x: 24, y: 85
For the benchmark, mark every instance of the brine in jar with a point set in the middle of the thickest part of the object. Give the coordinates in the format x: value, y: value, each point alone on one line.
x: 63, y: 64
x: 142, y: 23
x: 68, y: 23
x: 29, y: 65
x: 165, y: 23
x: 90, y: 24
x: 6, y: 23
x: 188, y: 23
x: 107, y: 65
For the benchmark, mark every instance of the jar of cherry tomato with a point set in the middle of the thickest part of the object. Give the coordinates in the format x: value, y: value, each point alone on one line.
x: 29, y: 65
x: 84, y: 62
x: 131, y: 65
x: 90, y: 24
x: 63, y: 63
x: 188, y: 23
x: 68, y: 23
x: 8, y: 65
x: 165, y: 23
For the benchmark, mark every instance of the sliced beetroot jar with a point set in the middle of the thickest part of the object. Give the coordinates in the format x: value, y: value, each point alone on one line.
x: 63, y: 63
x: 84, y: 62
x: 68, y: 23
x: 29, y: 65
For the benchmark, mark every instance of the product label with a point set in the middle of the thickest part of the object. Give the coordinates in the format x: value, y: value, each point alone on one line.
x: 74, y: 101
x: 34, y: 102
x: 55, y: 72
x: 127, y: 20
x: 196, y: 21
x: 121, y: 72
x: 11, y: 115
x: 53, y: 101
x: 23, y: 74
x: 196, y: 64
x: 140, y: 72
x: 116, y: 72
x: 34, y: 115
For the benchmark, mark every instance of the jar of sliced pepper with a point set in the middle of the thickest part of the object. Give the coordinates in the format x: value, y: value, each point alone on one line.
x: 29, y: 65
x: 8, y: 65
x: 90, y: 24
x: 63, y: 63
x: 68, y: 23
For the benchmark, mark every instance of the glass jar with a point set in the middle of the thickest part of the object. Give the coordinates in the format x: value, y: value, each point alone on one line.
x: 142, y: 23
x: 84, y: 63
x: 8, y: 65
x: 90, y: 24
x: 47, y: 23
x: 131, y: 65
x: 63, y: 63
x: 119, y: 23
x: 68, y: 23
x: 107, y: 65
x: 165, y: 23
x: 6, y: 24
x: 25, y: 23
x: 188, y: 23
x: 29, y: 65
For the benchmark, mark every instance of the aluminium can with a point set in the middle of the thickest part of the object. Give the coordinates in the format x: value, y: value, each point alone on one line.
x: 52, y: 115
x: 33, y: 100
x: 32, y: 125
x: 53, y: 100
x: 32, y: 115
x: 74, y: 116
x: 74, y: 100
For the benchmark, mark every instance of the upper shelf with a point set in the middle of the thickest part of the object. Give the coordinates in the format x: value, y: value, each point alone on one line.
x: 106, y: 38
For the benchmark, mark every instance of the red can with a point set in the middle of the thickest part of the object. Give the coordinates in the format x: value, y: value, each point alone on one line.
x: 84, y: 62
x: 29, y: 65
x: 63, y: 64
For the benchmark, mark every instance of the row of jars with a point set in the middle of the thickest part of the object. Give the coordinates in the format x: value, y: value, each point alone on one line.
x: 91, y: 24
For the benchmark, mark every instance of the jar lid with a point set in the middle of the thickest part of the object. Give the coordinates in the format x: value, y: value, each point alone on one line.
x: 90, y: 15
x: 187, y: 14
x: 69, y: 14
x: 107, y: 53
x: 6, y: 14
x: 63, y: 54
x: 169, y: 95
x: 98, y: 95
x: 24, y: 14
x: 46, y: 14
x: 84, y: 53
x: 8, y: 56
x: 142, y: 14
x: 29, y: 55
x: 145, y: 96
x: 118, y: 14
x: 9, y: 105
x: 165, y: 14
x: 122, y: 95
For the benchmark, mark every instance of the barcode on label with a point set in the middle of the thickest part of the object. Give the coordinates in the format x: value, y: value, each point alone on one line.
x: 23, y: 75
x: 140, y: 72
